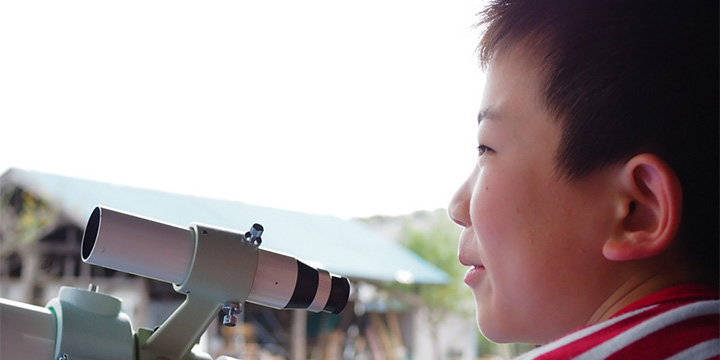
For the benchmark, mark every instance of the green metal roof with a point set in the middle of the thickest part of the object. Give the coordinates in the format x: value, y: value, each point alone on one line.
x: 344, y: 247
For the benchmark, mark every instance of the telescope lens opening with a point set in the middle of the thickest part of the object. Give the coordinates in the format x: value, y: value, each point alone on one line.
x: 90, y: 234
x: 339, y: 294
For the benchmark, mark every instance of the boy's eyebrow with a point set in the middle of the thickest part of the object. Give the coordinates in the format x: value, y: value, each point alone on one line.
x: 487, y: 113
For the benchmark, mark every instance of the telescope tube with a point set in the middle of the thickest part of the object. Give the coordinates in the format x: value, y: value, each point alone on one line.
x: 166, y: 252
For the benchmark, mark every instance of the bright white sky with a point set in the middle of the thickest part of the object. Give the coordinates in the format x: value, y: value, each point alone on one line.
x: 349, y: 108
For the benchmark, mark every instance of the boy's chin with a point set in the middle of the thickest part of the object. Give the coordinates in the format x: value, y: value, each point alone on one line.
x: 490, y: 330
x: 496, y: 325
x: 497, y: 333
x: 492, y: 336
x: 497, y: 338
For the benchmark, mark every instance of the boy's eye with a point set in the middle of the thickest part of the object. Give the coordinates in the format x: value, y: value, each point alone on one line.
x: 482, y: 149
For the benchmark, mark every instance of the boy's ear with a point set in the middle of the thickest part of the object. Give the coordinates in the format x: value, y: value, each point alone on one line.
x: 650, y: 208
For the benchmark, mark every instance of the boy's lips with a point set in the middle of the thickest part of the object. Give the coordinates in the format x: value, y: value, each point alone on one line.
x: 474, y: 273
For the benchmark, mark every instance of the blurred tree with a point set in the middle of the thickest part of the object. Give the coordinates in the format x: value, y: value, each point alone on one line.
x: 435, y: 240
x: 24, y: 220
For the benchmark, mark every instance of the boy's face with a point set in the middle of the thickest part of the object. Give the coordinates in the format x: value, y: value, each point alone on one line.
x: 533, y: 240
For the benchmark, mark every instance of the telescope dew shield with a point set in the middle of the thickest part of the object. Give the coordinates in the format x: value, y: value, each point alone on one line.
x: 138, y: 245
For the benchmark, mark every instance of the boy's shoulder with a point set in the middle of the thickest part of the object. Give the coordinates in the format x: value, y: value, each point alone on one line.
x: 681, y: 322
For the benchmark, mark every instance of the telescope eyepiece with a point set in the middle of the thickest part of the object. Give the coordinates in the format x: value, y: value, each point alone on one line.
x: 285, y: 282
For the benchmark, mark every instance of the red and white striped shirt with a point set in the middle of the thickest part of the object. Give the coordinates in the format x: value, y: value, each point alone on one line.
x: 681, y: 322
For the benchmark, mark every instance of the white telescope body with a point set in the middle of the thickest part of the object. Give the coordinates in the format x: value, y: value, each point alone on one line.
x: 28, y: 331
x: 216, y: 269
x: 77, y: 324
x: 191, y: 257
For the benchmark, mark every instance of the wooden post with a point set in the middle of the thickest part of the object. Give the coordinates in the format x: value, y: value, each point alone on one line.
x: 30, y: 270
x: 298, y: 335
x: 396, y: 335
x: 383, y: 335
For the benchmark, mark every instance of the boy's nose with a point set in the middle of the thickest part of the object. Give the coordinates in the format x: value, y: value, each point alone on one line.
x: 459, y: 207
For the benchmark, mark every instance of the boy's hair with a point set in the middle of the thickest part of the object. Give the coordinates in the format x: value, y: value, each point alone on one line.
x: 623, y: 78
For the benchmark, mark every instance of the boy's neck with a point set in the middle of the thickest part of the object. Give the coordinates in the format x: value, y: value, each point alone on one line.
x: 640, y: 283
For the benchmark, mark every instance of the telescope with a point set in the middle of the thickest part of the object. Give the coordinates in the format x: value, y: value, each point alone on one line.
x: 216, y: 269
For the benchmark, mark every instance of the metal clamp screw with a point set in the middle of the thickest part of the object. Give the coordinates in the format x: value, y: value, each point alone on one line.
x: 254, y: 235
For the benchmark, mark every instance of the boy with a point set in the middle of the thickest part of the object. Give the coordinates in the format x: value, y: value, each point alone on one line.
x: 591, y: 217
